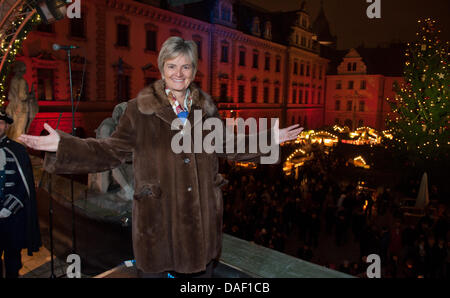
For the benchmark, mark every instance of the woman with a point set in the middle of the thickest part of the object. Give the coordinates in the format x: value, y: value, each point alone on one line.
x: 177, y: 206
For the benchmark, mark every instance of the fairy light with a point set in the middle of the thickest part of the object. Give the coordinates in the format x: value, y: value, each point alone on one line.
x: 10, y: 58
x: 420, y: 111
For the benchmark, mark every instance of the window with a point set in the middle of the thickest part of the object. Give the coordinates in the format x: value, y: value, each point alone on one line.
x: 294, y: 96
x: 278, y: 64
x: 242, y: 57
x: 349, y: 66
x: 226, y: 13
x: 313, y: 93
x: 307, y: 70
x: 362, y: 105
x: 338, y: 85
x: 266, y: 94
x: 337, y: 105
x: 306, y: 96
x: 320, y: 72
x: 123, y: 88
x: 199, y: 48
x: 303, y: 42
x: 319, y: 97
x: 305, y: 121
x: 349, y: 105
x: 350, y: 84
x: 255, y: 59
x: 45, y: 78
x: 295, y: 67
x: 302, y: 69
x: 150, y: 41
x: 300, y: 96
x: 224, y: 53
x: 268, y: 30
x: 354, y: 66
x: 267, y: 63
x: 241, y: 93
x: 254, y: 94
x: 277, y: 95
x: 314, y: 72
x: 122, y: 35
x: 255, y: 26
x: 363, y: 85
x: 77, y: 27
x: 223, y: 92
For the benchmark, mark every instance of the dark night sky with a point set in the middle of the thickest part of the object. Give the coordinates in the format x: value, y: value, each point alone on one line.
x: 349, y: 22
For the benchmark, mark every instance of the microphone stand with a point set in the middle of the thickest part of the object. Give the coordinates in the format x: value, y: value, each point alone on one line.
x: 50, y: 225
x: 73, y: 134
x: 52, y: 274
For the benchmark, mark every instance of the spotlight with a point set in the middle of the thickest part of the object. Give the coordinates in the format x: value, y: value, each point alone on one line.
x: 51, y: 11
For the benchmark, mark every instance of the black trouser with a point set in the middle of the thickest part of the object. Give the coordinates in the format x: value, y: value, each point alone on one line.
x: 13, y: 262
x: 208, y: 273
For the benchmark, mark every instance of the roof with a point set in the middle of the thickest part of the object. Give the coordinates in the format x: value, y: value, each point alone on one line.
x: 387, y: 61
x: 321, y: 27
x: 244, y: 12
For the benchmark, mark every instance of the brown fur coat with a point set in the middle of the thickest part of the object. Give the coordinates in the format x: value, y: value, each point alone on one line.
x: 177, y: 206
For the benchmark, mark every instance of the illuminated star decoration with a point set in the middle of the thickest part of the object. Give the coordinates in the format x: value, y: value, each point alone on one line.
x: 440, y: 75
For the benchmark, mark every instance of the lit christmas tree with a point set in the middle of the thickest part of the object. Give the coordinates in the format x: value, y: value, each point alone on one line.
x: 420, y: 118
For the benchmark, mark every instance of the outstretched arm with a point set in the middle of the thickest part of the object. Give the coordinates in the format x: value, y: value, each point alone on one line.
x: 270, y: 154
x: 71, y: 155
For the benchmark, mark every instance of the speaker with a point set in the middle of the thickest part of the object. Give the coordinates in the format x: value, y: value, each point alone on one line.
x: 51, y: 11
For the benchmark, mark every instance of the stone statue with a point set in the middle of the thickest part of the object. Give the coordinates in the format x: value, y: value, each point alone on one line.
x: 22, y: 105
x: 123, y: 175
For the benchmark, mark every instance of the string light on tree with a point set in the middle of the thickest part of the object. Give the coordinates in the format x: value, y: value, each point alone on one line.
x: 13, y: 49
x: 420, y: 123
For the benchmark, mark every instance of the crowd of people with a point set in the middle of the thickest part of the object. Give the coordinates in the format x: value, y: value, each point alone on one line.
x: 316, y: 202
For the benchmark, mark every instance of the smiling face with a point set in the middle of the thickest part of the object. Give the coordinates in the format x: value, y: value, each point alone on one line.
x: 178, y: 73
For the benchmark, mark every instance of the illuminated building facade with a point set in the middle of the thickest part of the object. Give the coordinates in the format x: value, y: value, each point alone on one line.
x: 362, y: 80
x: 254, y: 63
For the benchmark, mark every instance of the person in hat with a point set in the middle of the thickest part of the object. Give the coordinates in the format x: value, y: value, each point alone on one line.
x: 19, y: 226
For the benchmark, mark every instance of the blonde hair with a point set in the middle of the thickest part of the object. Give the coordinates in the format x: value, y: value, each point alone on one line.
x: 175, y: 46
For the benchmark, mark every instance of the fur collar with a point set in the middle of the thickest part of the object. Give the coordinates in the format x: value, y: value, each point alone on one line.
x: 152, y: 99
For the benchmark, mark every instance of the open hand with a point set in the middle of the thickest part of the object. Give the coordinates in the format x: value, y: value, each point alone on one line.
x: 286, y: 134
x: 44, y: 143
